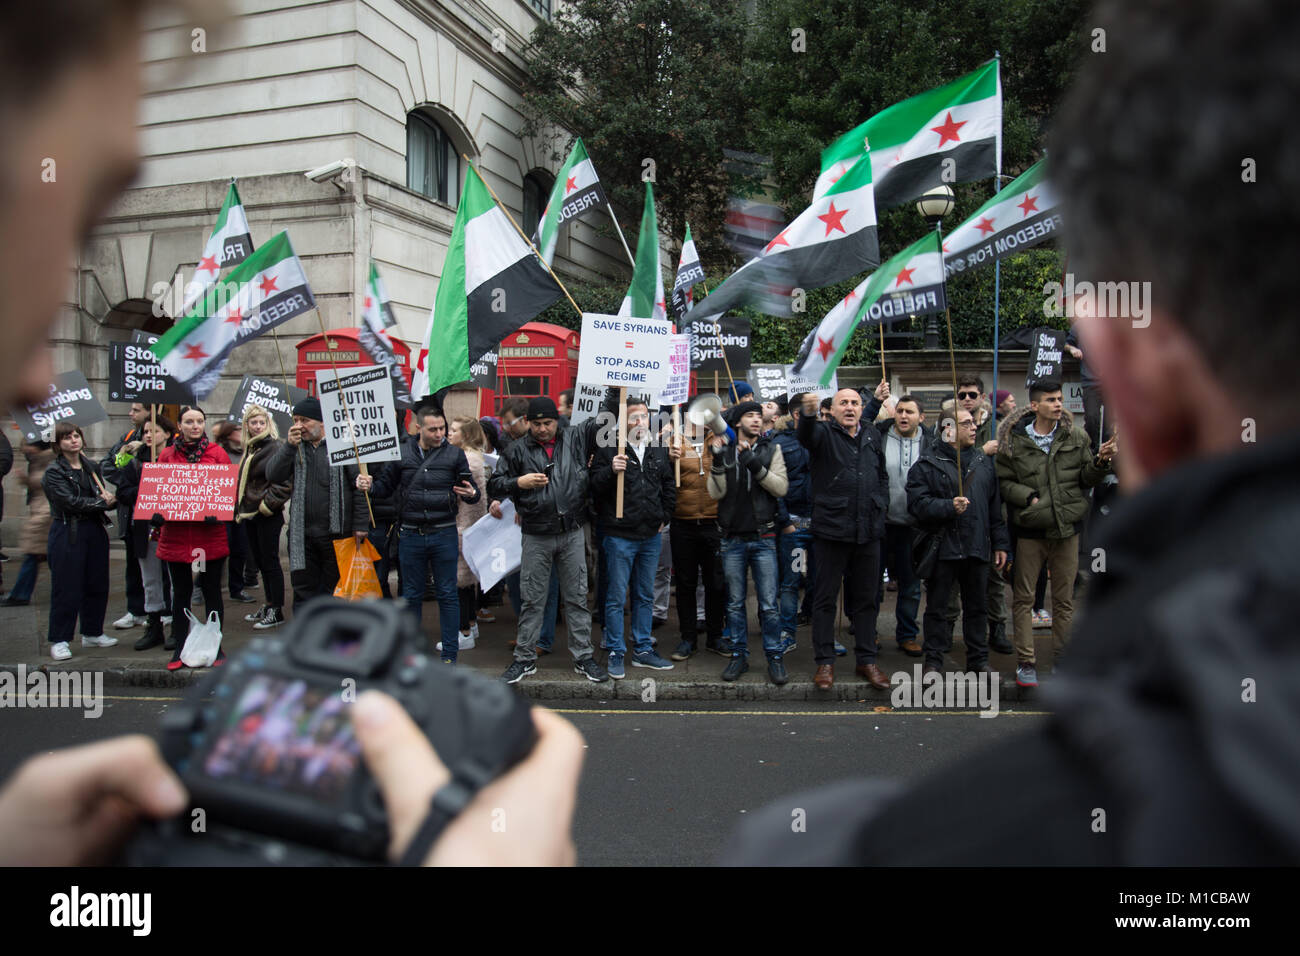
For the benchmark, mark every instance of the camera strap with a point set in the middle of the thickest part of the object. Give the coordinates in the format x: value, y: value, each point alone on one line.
x: 450, y: 799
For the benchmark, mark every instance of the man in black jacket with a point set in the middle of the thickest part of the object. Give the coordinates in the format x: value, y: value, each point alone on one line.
x: 968, y: 522
x: 850, y: 495
x: 428, y: 483
x: 632, y: 542
x: 747, y: 480
x: 545, y: 474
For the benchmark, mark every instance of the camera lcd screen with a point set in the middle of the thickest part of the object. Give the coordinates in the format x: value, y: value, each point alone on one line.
x: 290, y: 736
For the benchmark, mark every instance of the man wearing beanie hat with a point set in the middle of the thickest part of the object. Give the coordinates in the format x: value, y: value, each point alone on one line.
x: 545, y: 474
x: 326, y: 503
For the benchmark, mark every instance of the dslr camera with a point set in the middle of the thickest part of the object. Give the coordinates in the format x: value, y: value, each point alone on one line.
x: 265, y: 744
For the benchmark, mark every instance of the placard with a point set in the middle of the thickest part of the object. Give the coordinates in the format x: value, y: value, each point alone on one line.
x: 365, y: 428
x: 1046, y: 356
x: 707, y: 350
x: 180, y: 491
x: 586, y: 402
x: 70, y: 400
x: 136, y: 375
x: 769, y: 382
x: 381, y: 352
x: 493, y: 547
x: 624, y: 352
x: 483, y: 373
x: 678, y: 389
x: 1073, y: 397
x: 796, y: 384
x: 276, y: 398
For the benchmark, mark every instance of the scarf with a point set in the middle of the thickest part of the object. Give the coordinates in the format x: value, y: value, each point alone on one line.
x: 193, y: 450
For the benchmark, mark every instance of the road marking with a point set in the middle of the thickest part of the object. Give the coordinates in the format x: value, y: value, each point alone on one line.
x: 803, y: 713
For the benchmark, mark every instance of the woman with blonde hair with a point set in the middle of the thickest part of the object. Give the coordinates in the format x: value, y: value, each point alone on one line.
x: 261, y: 511
x: 467, y: 435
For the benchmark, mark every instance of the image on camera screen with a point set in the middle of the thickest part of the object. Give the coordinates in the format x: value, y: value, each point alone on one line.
x: 290, y: 736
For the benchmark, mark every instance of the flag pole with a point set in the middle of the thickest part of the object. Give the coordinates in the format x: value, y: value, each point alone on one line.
x: 952, y: 362
x: 883, y: 377
x: 501, y: 206
x: 356, y: 452
x: 677, y: 433
x: 622, y: 446
x: 630, y: 258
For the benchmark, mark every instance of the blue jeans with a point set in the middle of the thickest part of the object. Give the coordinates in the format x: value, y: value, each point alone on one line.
x: 417, y: 552
x: 26, y: 582
x: 630, y: 562
x: 760, y: 558
x: 546, y: 640
x: 791, y: 575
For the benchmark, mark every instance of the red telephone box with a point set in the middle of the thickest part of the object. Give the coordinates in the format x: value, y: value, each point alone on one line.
x: 538, y: 359
x: 344, y: 347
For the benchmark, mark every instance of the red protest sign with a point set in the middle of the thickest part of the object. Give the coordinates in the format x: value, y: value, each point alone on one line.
x: 184, y: 492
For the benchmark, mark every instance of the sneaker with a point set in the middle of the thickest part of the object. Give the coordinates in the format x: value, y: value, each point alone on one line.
x: 473, y: 634
x: 240, y: 597
x: 1047, y: 618
x: 100, y: 640
x: 128, y: 620
x: 449, y: 660
x: 591, y: 670
x: 467, y: 639
x: 518, y: 670
x: 840, y: 649
x: 60, y: 651
x: 684, y: 651
x: 722, y: 648
x: 776, y: 671
x: 274, y: 617
x: 1026, y: 675
x: 485, y: 618
x: 167, y: 620
x: 652, y: 660
x: 738, y: 665
x: 257, y: 615
x: 615, y: 666
x: 787, y: 643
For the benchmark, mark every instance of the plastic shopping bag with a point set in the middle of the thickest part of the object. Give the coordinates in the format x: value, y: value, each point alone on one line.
x: 203, y: 641
x: 357, y: 578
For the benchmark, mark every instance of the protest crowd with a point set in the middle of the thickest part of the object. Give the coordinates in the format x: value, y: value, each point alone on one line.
x: 823, y: 503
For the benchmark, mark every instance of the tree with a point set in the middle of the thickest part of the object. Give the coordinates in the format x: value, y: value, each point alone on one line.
x: 654, y: 89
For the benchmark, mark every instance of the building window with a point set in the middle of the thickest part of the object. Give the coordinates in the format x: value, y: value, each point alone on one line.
x: 432, y: 163
x: 543, y: 7
x: 535, y: 195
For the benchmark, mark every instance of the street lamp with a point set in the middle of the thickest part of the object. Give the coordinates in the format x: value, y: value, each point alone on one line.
x: 933, y: 205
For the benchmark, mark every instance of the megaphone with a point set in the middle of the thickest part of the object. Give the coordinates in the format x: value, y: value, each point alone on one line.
x: 706, y: 412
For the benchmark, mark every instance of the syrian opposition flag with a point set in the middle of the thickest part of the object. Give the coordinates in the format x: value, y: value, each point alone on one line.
x: 1023, y: 214
x: 376, y: 318
x: 230, y: 244
x: 491, y: 284
x: 910, y: 141
x: 266, y: 289
x: 576, y: 190
x: 832, y: 239
x: 645, y: 296
x: 689, y: 272
x: 911, y: 283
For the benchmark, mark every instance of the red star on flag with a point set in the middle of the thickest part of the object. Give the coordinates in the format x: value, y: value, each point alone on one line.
x: 853, y: 294
x: 985, y: 225
x: 945, y: 247
x: 366, y: 304
x: 235, y: 317
x: 1029, y: 205
x: 268, y: 285
x: 194, y: 353
x: 570, y: 184
x: 904, y: 275
x: 948, y: 131
x: 826, y: 347
x: 780, y: 240
x: 207, y: 264
x: 833, y: 219
x: 419, y: 362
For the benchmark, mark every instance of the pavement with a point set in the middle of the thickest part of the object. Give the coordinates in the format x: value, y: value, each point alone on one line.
x: 23, y: 630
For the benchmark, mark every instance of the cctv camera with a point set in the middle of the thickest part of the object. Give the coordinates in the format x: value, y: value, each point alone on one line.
x: 323, y: 174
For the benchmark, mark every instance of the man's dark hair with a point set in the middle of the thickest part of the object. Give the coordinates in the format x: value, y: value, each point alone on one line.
x: 1039, y: 389
x: 516, y: 406
x: 970, y: 378
x: 426, y: 410
x: 795, y: 405
x: 566, y: 396
x: 826, y: 404
x: 909, y: 397
x: 1154, y: 152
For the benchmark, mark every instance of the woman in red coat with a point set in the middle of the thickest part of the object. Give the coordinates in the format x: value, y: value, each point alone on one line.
x: 179, y: 541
